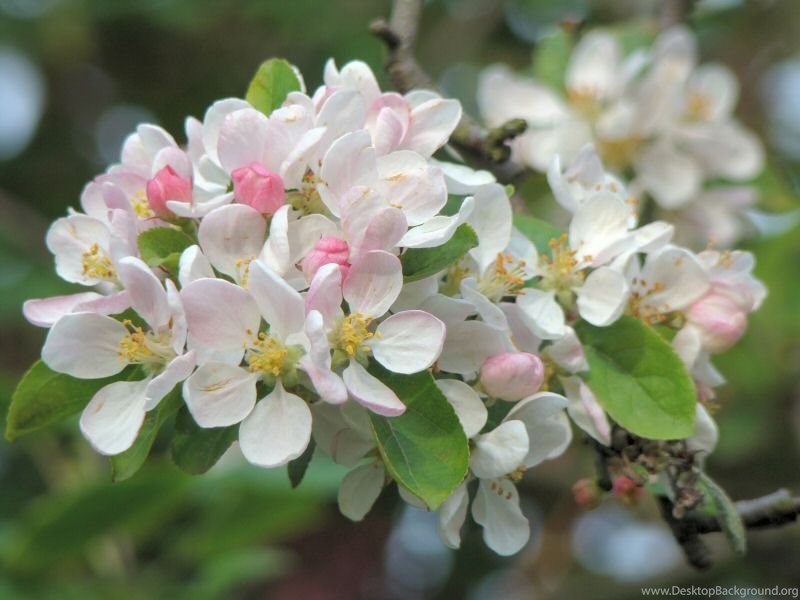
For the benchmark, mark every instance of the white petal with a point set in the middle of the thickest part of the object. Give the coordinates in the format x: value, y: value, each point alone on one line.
x: 211, y: 326
x: 176, y: 371
x: 45, y: 312
x: 718, y: 87
x: 245, y: 137
x: 277, y: 431
x: 219, y: 395
x: 432, y: 122
x: 486, y: 309
x: 231, y: 234
x: 501, y: 451
x: 568, y: 353
x: 492, y: 220
x: 280, y: 305
x: 547, y: 426
x: 213, y: 120
x: 371, y: 392
x: 85, y: 345
x: 148, y: 297
x: 452, y: 514
x: 437, y: 230
x: 680, y: 277
x: 585, y: 411
x: 317, y: 362
x: 542, y: 314
x: 671, y: 177
x: 594, y: 66
x: 412, y: 184
x: 193, y: 265
x: 349, y: 162
x: 409, y: 341
x: 467, y: 345
x: 461, y: 179
x: 496, y: 508
x: 373, y: 283
x: 325, y: 293
x: 114, y: 415
x: 706, y: 433
x: 470, y: 409
x: 359, y: 490
x: 603, y: 296
x: 600, y: 222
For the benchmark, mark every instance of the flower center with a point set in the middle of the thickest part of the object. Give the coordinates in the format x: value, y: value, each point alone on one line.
x: 561, y: 267
x: 354, y: 334
x: 454, y: 276
x: 141, y: 206
x: 698, y: 107
x: 268, y: 355
x: 618, y: 152
x: 144, y: 347
x: 506, y: 278
x: 97, y: 265
x: 641, y: 307
x: 243, y: 269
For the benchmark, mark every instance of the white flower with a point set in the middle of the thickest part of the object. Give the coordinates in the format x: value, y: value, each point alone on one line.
x: 535, y: 430
x: 90, y: 345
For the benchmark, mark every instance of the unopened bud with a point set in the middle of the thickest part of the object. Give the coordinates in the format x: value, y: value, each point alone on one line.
x: 512, y: 375
x: 720, y: 321
x: 167, y: 185
x: 626, y: 490
x: 586, y: 493
x: 258, y: 187
x: 327, y: 250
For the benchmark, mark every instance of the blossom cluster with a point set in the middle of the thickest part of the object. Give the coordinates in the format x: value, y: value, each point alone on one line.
x: 654, y: 114
x: 289, y: 306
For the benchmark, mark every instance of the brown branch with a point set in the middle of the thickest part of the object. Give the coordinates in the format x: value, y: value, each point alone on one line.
x: 773, y: 510
x: 675, y: 12
x: 399, y: 34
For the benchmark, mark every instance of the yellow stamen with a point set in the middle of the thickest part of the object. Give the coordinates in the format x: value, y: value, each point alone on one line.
x: 141, y: 206
x: 267, y: 355
x: 354, y: 334
x: 97, y: 264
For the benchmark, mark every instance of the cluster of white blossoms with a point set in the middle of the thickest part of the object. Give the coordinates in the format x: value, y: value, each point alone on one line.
x: 655, y: 115
x: 291, y: 298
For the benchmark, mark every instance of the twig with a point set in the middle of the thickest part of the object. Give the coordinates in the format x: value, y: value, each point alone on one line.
x: 773, y: 510
x: 674, y: 12
x: 399, y: 34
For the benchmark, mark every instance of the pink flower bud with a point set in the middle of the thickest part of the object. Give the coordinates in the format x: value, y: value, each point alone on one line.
x: 258, y: 187
x: 626, y: 490
x: 720, y: 320
x: 167, y: 185
x: 327, y: 250
x: 586, y: 493
x: 512, y: 375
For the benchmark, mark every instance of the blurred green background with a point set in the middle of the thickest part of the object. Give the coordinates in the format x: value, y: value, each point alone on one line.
x: 77, y: 75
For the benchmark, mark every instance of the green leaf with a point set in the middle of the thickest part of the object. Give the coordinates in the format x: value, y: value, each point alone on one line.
x: 538, y: 231
x: 424, y: 449
x: 551, y: 56
x: 638, y: 379
x: 44, y: 397
x: 725, y: 510
x: 195, y: 449
x: 125, y: 465
x: 271, y: 84
x: 419, y: 263
x: 162, y: 246
x: 297, y: 467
